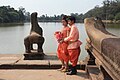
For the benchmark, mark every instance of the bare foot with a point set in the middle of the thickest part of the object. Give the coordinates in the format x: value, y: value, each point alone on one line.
x: 61, y: 68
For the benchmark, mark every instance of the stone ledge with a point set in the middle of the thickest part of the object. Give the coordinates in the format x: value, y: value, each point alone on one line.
x: 50, y: 62
x: 33, y: 56
x: 36, y: 64
x: 93, y: 72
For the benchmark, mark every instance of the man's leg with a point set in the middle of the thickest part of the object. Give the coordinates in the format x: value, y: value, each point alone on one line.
x: 74, y: 55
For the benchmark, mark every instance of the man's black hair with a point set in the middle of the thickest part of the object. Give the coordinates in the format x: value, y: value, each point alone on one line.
x: 72, y: 18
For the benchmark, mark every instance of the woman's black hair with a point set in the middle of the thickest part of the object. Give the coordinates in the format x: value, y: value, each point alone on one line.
x: 64, y: 17
x: 72, y: 18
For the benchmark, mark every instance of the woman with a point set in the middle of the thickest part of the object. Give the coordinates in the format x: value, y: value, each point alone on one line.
x: 62, y: 51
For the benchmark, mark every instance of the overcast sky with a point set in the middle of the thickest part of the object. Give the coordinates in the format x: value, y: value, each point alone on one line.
x: 52, y: 7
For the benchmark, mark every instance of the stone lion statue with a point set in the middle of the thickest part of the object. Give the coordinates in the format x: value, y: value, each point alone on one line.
x: 35, y: 37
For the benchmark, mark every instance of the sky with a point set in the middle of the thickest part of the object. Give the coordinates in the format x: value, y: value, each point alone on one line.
x: 53, y: 7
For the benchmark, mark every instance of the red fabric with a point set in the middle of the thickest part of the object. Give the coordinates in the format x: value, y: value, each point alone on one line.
x: 63, y: 52
x: 74, y: 55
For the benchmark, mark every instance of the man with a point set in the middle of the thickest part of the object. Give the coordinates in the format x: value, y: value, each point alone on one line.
x: 74, y: 45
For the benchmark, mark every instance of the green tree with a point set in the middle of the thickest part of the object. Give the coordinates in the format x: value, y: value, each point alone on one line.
x: 21, y: 13
x: 117, y: 17
x: 27, y: 16
x: 108, y: 11
x: 111, y: 17
x: 13, y: 16
x: 9, y: 14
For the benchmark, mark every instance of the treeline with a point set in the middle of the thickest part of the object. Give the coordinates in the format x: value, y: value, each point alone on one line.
x: 9, y: 14
x: 57, y: 18
x: 109, y: 11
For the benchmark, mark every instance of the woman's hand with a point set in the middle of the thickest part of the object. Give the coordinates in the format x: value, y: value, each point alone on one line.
x: 61, y: 40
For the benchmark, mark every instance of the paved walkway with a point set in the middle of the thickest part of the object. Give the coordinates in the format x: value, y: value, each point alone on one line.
x: 14, y: 67
x: 40, y: 75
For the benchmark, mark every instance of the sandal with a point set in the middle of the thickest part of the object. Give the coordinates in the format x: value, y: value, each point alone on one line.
x: 62, y: 68
x: 65, y: 70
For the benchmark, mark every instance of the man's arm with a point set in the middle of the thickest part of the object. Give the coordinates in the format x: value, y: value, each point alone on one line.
x: 71, y: 36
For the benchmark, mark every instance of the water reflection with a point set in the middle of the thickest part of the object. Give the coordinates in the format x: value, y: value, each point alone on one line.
x: 114, y: 28
x: 11, y: 24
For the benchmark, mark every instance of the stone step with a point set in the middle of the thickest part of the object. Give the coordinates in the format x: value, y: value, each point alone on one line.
x: 93, y: 72
x: 35, y: 64
x: 17, y: 62
x: 9, y: 58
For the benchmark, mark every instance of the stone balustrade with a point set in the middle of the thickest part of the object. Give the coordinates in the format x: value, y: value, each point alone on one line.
x: 103, y: 48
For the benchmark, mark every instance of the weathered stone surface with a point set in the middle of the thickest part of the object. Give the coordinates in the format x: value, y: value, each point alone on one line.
x: 50, y: 62
x: 40, y: 75
x: 111, y: 49
x: 51, y: 56
x: 96, y: 32
x: 104, y: 46
x: 93, y: 72
x: 55, y: 64
x: 82, y: 65
x: 6, y: 59
x: 32, y: 64
x: 35, y: 37
x: 34, y: 56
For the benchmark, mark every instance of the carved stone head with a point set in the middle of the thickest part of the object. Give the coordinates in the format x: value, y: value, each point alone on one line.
x: 34, y: 18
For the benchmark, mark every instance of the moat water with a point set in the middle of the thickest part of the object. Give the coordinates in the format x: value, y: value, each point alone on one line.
x: 12, y: 37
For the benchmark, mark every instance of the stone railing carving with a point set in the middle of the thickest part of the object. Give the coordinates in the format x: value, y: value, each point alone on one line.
x: 104, y: 46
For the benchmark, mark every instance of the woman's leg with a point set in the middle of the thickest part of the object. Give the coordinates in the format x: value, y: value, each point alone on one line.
x: 63, y: 65
x: 66, y: 67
